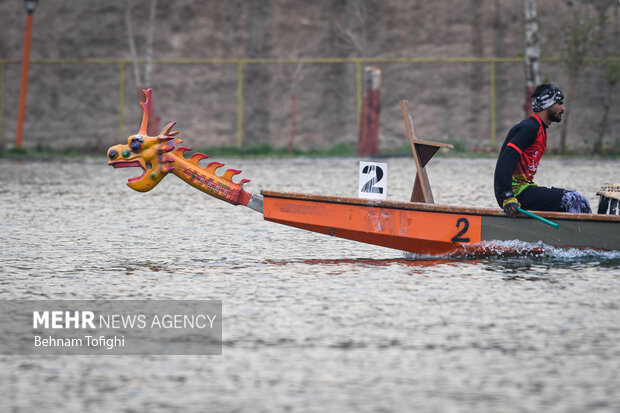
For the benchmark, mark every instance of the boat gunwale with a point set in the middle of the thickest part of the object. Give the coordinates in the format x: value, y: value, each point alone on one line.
x: 421, y: 206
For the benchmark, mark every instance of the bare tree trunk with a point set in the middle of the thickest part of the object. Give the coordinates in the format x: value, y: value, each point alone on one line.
x: 132, y: 46
x: 144, y: 82
x: 612, y: 77
x: 476, y: 77
x: 355, y: 30
x: 598, y: 144
x: 335, y: 83
x: 581, y: 38
x: 257, y: 78
x: 290, y: 79
x: 148, y: 61
x: 532, y: 54
x: 611, y: 74
x: 572, y: 80
x: 499, y: 47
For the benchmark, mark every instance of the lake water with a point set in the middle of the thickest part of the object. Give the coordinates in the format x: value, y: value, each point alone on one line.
x: 311, y: 323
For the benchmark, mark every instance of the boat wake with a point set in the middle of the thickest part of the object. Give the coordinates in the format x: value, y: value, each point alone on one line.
x: 515, y: 248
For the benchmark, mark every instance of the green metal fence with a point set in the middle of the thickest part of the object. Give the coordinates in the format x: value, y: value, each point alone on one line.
x: 241, y: 63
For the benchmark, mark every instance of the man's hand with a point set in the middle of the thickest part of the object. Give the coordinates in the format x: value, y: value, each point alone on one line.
x: 510, y: 206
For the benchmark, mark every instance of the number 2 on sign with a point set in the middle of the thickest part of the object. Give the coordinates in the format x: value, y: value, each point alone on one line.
x: 372, y: 180
x: 370, y: 185
x: 465, y: 226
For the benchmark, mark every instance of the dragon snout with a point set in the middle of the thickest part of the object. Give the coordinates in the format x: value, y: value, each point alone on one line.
x: 117, y: 152
x: 119, y: 156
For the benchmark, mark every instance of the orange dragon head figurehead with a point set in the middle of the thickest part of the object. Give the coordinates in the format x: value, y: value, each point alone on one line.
x: 146, y: 152
x: 160, y: 155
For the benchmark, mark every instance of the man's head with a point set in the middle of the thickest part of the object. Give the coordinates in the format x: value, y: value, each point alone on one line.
x: 548, y: 98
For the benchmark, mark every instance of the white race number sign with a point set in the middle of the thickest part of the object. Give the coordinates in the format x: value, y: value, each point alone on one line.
x: 373, y: 180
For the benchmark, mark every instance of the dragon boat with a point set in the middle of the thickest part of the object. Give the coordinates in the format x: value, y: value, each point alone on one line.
x: 418, y: 226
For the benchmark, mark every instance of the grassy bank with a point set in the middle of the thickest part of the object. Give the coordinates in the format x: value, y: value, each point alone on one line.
x: 267, y: 151
x: 260, y: 150
x: 250, y: 151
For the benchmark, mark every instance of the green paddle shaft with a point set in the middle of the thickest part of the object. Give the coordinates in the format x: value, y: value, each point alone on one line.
x: 541, y: 219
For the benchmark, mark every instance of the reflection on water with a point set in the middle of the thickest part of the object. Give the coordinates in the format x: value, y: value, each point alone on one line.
x: 370, y: 262
x: 311, y: 322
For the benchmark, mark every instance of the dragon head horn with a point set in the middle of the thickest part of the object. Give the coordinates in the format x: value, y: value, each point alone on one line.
x: 146, y: 108
x: 167, y: 133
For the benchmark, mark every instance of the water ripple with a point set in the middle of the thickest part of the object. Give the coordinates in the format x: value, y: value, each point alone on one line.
x: 311, y: 323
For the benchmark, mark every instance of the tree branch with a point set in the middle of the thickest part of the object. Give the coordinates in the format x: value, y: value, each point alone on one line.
x: 132, y: 45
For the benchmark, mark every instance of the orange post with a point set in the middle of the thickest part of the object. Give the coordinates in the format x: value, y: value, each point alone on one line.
x: 24, y: 84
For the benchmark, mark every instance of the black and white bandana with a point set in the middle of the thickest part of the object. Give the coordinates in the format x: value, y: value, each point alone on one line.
x: 550, y: 97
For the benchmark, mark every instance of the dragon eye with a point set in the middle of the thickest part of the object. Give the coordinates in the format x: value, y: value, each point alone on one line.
x: 136, y: 144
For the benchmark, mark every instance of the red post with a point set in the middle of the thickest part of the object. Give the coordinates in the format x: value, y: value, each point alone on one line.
x: 24, y: 84
x: 368, y: 137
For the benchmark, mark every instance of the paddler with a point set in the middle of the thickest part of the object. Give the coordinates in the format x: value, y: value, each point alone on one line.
x: 519, y: 157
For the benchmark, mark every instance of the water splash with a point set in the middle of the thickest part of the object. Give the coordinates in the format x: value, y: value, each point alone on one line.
x: 516, y: 248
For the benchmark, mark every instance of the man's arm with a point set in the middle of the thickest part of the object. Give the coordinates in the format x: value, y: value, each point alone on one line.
x: 507, y: 161
x: 506, y: 164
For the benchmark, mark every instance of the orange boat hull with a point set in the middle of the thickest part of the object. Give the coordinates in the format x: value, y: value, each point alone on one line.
x: 408, y: 230
x: 433, y: 229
